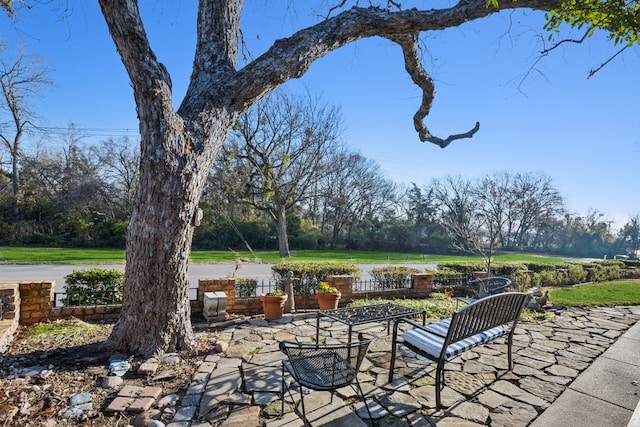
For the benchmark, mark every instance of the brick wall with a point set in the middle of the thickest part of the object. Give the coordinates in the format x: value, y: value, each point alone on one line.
x: 422, y: 285
x: 10, y: 302
x: 35, y: 299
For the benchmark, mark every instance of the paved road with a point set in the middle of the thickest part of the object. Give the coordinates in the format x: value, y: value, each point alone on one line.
x: 26, y: 273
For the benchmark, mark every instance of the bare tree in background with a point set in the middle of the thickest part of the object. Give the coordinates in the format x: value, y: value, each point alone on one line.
x: 120, y: 162
x: 21, y: 79
x: 353, y: 191
x: 527, y: 200
x: 277, y: 152
x: 471, y: 215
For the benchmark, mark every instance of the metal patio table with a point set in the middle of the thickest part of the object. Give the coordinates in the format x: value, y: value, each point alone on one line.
x: 353, y: 316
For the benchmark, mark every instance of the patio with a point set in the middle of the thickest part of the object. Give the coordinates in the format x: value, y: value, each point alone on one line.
x: 548, y: 356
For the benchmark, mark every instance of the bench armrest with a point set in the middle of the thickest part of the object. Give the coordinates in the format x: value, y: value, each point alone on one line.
x: 415, y: 325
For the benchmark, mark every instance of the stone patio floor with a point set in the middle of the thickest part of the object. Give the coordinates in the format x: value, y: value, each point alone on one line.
x: 241, y: 387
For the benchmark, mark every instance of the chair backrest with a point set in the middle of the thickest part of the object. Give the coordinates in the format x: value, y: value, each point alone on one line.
x: 311, y: 361
x: 485, y: 314
x: 490, y: 285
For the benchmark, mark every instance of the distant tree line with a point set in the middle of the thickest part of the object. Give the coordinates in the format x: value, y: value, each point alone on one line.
x: 285, y: 179
x: 81, y: 195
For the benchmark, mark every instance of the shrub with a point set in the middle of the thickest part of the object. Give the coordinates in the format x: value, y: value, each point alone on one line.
x: 630, y: 273
x: 507, y: 269
x: 497, y: 269
x: 445, y: 279
x: 309, y: 274
x: 576, y: 274
x: 393, y: 277
x: 96, y: 286
x: 611, y: 272
x: 524, y: 281
x: 540, y: 266
x: 548, y: 277
x: 462, y: 267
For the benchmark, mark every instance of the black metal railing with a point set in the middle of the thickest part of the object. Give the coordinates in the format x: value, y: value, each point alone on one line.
x: 86, y: 297
x: 443, y: 281
x: 382, y: 285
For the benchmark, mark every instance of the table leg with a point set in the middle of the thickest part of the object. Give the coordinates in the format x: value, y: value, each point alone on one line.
x: 318, y: 328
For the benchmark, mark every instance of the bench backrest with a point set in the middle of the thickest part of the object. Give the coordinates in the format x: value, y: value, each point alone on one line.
x: 485, y: 314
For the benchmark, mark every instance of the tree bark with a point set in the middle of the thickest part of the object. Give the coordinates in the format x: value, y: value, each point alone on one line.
x: 176, y: 155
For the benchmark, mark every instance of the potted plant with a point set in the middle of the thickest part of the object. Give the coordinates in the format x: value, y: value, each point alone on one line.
x: 328, y: 296
x: 273, y: 304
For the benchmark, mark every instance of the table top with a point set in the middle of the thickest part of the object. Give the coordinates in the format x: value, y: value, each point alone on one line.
x: 368, y: 313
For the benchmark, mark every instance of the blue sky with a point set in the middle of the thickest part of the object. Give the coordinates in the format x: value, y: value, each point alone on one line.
x: 550, y: 119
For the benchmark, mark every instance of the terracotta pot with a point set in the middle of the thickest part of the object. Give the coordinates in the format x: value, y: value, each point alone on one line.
x: 328, y: 301
x: 273, y: 307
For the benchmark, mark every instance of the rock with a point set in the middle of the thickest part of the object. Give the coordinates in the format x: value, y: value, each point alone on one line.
x: 33, y: 371
x: 146, y: 417
x: 74, y: 413
x: 165, y: 376
x: 221, y: 347
x: 80, y: 399
x: 147, y: 368
x: 111, y: 382
x: 170, y: 359
x: 169, y: 400
x: 78, y: 411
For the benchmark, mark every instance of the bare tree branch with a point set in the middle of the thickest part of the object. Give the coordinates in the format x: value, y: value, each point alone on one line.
x: 291, y: 57
x: 578, y: 41
x: 411, y: 52
x: 593, y: 71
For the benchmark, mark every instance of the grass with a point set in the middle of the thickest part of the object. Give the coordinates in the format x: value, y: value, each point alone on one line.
x: 626, y: 292
x: 13, y: 255
x: 63, y: 332
x: 437, y: 307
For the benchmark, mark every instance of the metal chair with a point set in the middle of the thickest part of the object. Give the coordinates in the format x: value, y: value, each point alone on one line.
x: 323, y: 367
x: 484, y: 287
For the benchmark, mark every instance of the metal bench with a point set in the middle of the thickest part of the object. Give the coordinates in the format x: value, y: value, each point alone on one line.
x: 475, y: 324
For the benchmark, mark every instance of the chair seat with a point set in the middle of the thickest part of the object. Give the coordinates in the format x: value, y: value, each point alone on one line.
x: 325, y: 371
x: 431, y: 343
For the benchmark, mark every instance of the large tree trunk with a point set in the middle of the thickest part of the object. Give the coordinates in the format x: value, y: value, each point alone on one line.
x: 159, y: 243
x: 158, y: 247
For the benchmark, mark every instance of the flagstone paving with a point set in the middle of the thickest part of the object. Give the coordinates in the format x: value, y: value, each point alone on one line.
x: 242, y: 388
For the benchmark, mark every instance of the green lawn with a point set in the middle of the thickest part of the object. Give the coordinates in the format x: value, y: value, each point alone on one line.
x: 11, y: 255
x: 60, y: 256
x: 605, y: 293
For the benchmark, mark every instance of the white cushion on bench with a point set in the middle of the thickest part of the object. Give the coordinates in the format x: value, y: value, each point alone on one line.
x: 432, y: 344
